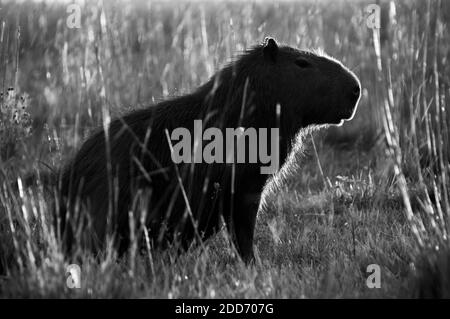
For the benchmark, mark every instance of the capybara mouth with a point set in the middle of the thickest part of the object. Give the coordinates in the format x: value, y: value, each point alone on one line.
x: 349, y: 113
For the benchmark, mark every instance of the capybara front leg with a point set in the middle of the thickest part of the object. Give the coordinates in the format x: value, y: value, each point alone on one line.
x: 242, y: 228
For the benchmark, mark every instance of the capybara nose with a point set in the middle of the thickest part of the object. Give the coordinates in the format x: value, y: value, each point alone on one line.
x: 353, y: 95
x: 356, y: 91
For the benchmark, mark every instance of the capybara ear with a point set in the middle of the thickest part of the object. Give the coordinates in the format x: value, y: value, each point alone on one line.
x: 270, y: 49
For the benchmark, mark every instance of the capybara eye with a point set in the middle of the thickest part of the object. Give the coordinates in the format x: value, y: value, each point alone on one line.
x: 302, y: 63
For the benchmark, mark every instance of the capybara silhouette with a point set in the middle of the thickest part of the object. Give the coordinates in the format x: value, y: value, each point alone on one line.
x: 125, y: 175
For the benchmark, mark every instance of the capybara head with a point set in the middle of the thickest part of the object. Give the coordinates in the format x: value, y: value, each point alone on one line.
x: 312, y: 88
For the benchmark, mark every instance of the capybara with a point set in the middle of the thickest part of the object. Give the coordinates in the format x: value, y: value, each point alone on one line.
x: 127, y: 171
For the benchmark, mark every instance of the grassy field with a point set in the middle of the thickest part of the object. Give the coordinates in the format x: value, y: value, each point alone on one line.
x: 374, y: 191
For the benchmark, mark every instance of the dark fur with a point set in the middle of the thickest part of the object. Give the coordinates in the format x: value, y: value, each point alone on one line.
x: 320, y: 91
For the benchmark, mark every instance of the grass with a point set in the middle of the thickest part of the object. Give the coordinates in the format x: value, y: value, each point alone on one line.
x: 374, y: 192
